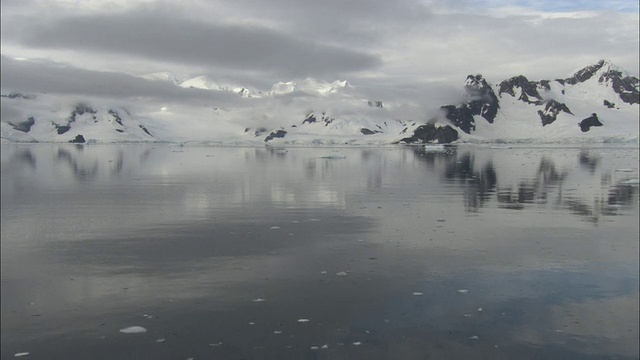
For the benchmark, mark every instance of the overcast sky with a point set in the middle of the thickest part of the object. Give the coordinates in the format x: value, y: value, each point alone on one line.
x: 401, y: 44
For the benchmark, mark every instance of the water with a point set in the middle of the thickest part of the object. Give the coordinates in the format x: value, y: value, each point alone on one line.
x: 160, y: 252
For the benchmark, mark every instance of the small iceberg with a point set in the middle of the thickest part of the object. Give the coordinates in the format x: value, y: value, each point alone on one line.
x: 133, y: 330
x: 434, y: 148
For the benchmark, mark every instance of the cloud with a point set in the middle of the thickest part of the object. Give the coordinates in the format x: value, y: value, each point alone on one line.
x: 49, y: 77
x: 180, y: 40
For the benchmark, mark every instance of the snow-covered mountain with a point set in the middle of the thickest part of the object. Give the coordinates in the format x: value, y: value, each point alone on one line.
x: 598, y: 103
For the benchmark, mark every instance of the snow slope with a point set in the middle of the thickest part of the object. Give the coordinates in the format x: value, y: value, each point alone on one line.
x: 314, y: 112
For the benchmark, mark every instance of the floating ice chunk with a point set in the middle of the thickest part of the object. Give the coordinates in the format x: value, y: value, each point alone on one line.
x: 277, y: 332
x: 161, y: 340
x: 325, y: 346
x: 314, y: 347
x: 342, y: 273
x: 323, y: 272
x: 435, y: 148
x: 463, y: 291
x: 417, y: 293
x: 259, y: 300
x: 479, y: 309
x: 133, y: 330
x: 274, y: 227
x: 21, y: 354
x: 474, y: 337
x: 303, y: 320
x: 468, y: 315
x: 357, y: 343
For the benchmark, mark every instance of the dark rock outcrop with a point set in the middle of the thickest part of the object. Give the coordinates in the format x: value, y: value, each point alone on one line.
x: 17, y: 95
x: 116, y: 116
x: 81, y: 109
x: 608, y: 104
x: 312, y: 119
x: 486, y: 102
x: 529, y: 89
x: 366, y: 131
x: 377, y: 103
x: 627, y: 87
x: 551, y: 110
x: 587, y: 123
x: 460, y: 116
x: 79, y: 139
x: 483, y: 102
x: 145, y: 130
x: 429, y: 133
x: 61, y: 129
x: 24, y: 126
x: 275, y: 134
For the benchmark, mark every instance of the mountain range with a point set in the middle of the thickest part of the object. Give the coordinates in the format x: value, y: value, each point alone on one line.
x: 598, y: 103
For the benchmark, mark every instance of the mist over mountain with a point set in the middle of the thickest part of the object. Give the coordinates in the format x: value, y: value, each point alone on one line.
x: 598, y: 103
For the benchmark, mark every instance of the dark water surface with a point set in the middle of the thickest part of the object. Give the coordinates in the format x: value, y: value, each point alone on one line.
x: 389, y: 253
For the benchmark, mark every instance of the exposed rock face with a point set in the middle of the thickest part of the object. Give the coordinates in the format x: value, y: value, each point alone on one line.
x: 377, y: 103
x: 584, y: 74
x: 275, y: 134
x: 528, y: 89
x: 366, y: 131
x: 608, y: 104
x: 627, y: 87
x: 116, y: 116
x: 79, y: 139
x: 61, y: 129
x: 17, y: 95
x: 484, y: 102
x: 587, y: 123
x: 429, y: 133
x: 24, y: 126
x: 145, y: 130
x: 311, y: 119
x: 460, y: 116
x: 551, y: 110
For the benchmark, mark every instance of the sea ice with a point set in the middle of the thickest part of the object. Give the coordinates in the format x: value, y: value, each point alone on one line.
x: 303, y: 320
x: 21, y: 354
x: 463, y: 291
x: 342, y: 273
x: 133, y: 330
x: 417, y: 293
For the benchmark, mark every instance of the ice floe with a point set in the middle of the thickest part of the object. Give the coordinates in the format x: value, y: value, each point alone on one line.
x: 133, y: 330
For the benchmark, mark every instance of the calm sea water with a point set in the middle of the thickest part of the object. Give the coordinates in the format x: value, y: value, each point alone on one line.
x: 350, y: 253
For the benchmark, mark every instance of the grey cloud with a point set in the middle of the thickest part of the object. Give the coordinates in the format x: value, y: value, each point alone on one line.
x: 175, y: 39
x: 49, y: 77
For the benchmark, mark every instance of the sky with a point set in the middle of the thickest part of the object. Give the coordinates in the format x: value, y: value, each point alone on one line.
x: 387, y: 48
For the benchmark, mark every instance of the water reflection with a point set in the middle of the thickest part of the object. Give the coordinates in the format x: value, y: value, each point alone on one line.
x: 194, y: 236
x: 510, y: 180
